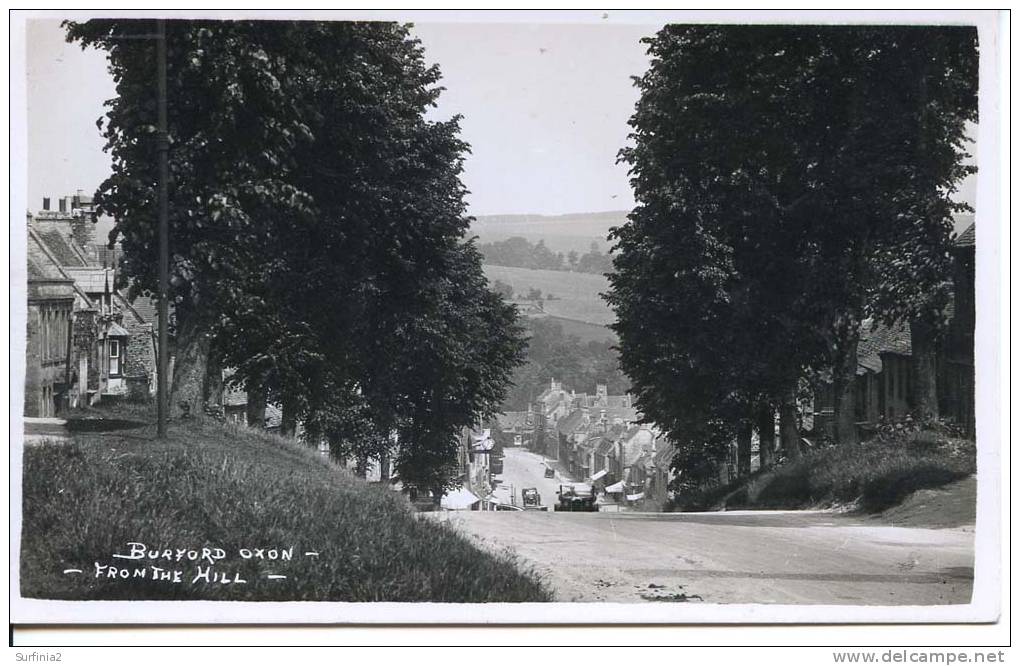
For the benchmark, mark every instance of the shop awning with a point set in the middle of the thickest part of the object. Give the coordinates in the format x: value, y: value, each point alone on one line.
x: 598, y: 475
x: 635, y: 497
x: 615, y: 488
x: 459, y: 500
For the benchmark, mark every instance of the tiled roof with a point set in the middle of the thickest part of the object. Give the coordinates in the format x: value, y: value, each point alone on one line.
x: 512, y: 420
x: 274, y: 416
x: 881, y: 340
x: 966, y: 239
x: 570, y: 422
x: 145, y: 306
x: 41, y: 265
x: 61, y: 248
x: 92, y: 280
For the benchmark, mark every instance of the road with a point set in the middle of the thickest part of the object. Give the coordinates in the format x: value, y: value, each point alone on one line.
x: 524, y: 469
x: 732, y: 557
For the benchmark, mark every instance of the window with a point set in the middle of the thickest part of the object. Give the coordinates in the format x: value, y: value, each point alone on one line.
x: 114, y: 358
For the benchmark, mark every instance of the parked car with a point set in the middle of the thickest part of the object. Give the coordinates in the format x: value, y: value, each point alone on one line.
x: 549, y: 472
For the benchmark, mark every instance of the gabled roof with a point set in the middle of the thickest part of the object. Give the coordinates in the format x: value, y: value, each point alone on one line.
x: 966, y: 239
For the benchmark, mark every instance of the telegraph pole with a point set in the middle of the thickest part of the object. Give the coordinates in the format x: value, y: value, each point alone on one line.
x: 162, y: 397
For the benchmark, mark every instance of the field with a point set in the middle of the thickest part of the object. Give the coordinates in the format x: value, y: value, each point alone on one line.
x: 584, y: 331
x: 577, y: 294
x: 561, y: 233
x: 242, y: 516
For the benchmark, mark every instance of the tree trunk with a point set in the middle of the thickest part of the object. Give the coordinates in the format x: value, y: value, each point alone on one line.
x: 361, y: 467
x: 255, y: 409
x: 924, y: 394
x: 789, y: 431
x: 744, y: 449
x: 766, y: 422
x: 213, y: 390
x: 190, y: 368
x: 844, y: 374
x: 288, y: 419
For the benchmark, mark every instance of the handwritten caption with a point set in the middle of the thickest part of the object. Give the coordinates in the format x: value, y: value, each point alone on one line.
x: 190, y: 565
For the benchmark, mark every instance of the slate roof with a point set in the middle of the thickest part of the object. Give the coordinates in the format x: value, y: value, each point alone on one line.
x: 966, y: 239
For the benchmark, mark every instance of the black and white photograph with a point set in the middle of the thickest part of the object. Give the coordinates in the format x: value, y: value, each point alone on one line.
x: 467, y: 317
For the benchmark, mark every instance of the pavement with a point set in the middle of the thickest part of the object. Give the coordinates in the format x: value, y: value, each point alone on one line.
x: 778, y: 557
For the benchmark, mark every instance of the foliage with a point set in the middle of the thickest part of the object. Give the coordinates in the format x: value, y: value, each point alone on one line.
x: 318, y: 222
x: 215, y: 485
x: 521, y: 253
x: 554, y: 354
x: 775, y: 168
x: 872, y: 476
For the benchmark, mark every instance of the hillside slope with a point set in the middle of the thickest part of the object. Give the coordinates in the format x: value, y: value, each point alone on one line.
x: 215, y: 501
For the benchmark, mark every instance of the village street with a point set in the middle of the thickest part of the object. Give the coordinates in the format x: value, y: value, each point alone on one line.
x: 524, y: 469
x: 732, y: 557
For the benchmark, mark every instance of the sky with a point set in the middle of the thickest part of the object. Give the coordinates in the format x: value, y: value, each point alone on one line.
x: 544, y: 106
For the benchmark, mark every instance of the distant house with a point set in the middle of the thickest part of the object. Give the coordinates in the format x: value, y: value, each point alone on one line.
x: 884, y: 379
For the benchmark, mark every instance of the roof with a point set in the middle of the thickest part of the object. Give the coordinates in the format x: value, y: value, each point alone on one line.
x: 881, y: 340
x: 512, y: 420
x: 274, y: 416
x: 966, y: 239
x: 115, y: 330
x: 236, y: 397
x: 41, y: 264
x: 93, y: 279
x: 604, y: 446
x: 61, y: 248
x: 145, y: 306
x: 570, y: 422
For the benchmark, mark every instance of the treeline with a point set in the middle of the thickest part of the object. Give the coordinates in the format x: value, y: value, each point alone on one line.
x: 792, y: 183
x: 518, y: 252
x: 318, y: 233
x: 554, y: 354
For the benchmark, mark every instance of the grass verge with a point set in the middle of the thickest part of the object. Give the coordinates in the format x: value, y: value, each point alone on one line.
x: 250, y: 495
x: 871, y: 477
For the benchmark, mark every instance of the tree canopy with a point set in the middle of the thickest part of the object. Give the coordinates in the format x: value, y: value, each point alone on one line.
x: 777, y: 170
x: 317, y: 225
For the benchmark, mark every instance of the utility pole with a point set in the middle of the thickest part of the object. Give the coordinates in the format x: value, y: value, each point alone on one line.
x: 162, y: 397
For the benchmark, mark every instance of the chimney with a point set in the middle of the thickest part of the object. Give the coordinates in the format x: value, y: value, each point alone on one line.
x: 46, y: 203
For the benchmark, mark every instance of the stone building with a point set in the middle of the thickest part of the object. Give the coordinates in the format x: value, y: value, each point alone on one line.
x: 49, y: 335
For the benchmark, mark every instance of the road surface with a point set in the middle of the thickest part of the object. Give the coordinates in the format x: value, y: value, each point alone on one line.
x: 524, y: 469
x: 732, y: 557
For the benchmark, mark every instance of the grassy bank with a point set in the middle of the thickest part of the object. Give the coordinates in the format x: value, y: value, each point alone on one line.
x: 869, y: 477
x: 246, y: 497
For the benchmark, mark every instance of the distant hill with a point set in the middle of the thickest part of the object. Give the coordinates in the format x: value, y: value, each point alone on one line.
x: 561, y: 233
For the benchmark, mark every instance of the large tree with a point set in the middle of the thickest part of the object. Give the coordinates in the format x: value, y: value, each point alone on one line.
x: 774, y: 169
x: 317, y: 217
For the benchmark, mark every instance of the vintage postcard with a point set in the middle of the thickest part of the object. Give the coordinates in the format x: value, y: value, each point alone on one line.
x: 514, y: 317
